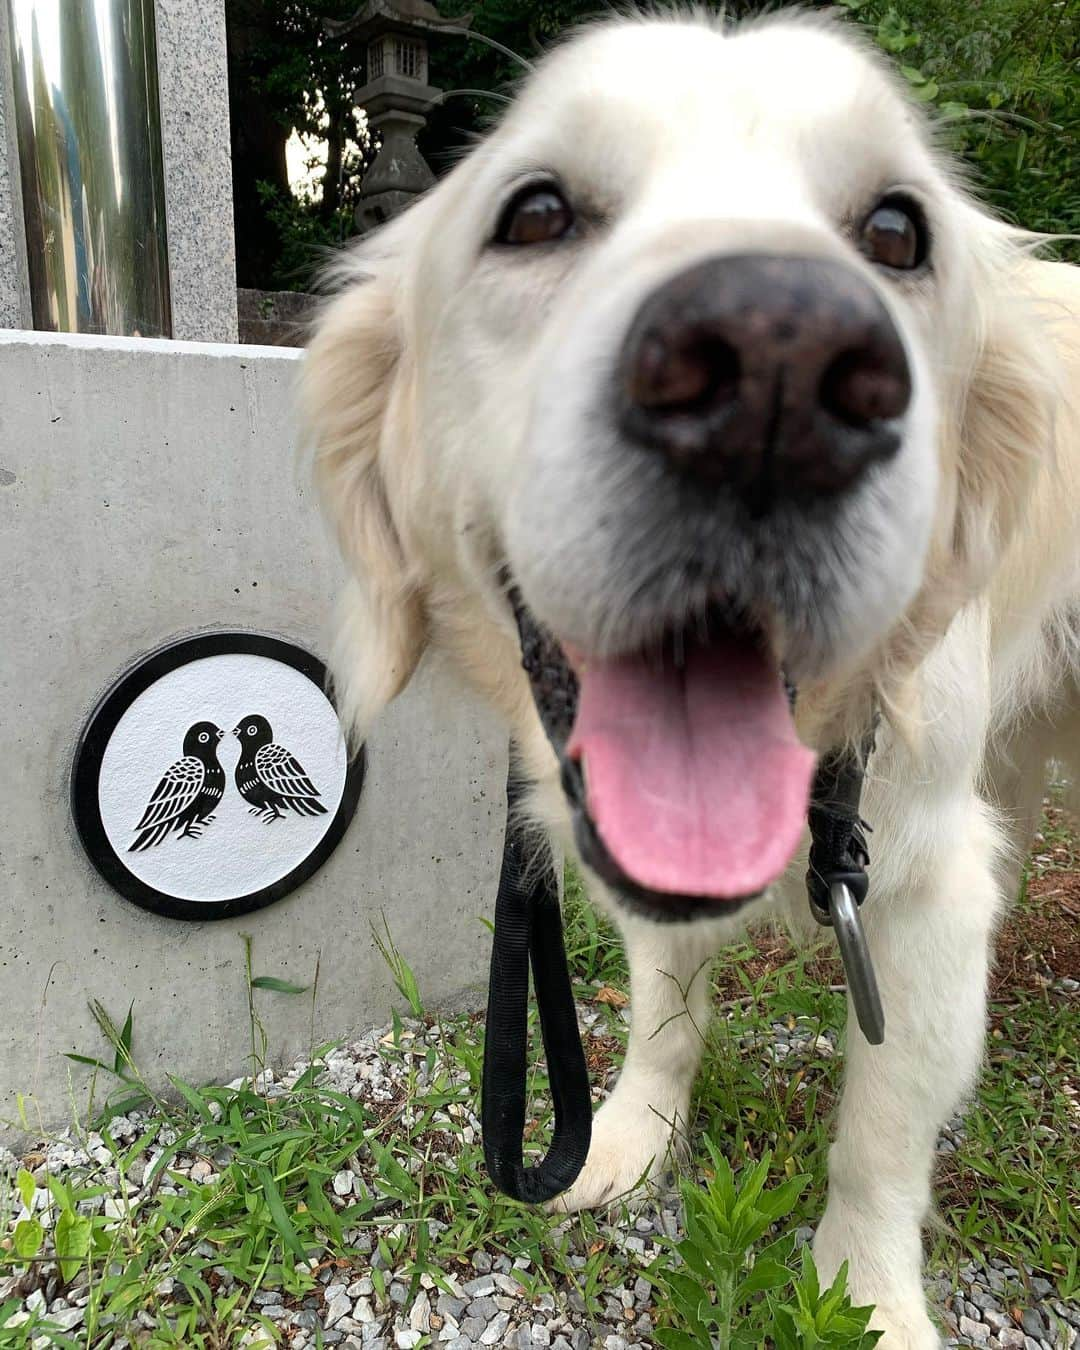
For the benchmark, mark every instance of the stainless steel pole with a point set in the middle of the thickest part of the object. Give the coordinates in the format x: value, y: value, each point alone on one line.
x: 89, y: 136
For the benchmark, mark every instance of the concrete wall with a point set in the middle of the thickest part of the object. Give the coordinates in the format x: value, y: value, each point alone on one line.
x: 149, y: 489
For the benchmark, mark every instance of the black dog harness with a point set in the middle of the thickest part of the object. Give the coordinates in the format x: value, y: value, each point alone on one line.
x: 528, y: 927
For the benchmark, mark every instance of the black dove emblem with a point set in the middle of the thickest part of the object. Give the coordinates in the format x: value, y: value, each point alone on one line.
x: 189, y: 791
x: 270, y: 778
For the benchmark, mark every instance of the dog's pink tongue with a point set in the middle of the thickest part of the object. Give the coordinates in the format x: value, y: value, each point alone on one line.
x: 694, y: 776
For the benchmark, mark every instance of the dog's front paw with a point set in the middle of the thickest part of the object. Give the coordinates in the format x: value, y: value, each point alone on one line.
x: 632, y: 1144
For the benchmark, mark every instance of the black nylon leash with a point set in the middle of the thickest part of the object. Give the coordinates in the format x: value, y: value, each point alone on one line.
x: 528, y: 925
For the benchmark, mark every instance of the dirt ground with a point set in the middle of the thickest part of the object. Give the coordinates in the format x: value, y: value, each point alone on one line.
x: 1039, y: 941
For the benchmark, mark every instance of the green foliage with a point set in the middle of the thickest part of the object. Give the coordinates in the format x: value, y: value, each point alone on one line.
x: 400, y: 970
x: 593, y: 948
x: 74, y: 1232
x: 286, y: 73
x: 305, y: 237
x: 1011, y: 1187
x: 280, y: 50
x: 28, y: 1238
x: 734, y: 1293
x: 1002, y: 76
x: 1005, y: 78
x: 119, y: 1039
x: 820, y: 1317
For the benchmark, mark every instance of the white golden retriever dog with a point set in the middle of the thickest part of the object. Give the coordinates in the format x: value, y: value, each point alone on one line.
x: 705, y: 366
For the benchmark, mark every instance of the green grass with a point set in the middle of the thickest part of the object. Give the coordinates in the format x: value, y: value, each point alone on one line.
x: 193, y: 1255
x: 1012, y: 1188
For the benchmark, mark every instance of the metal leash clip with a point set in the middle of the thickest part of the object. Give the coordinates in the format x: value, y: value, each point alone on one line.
x: 842, y: 916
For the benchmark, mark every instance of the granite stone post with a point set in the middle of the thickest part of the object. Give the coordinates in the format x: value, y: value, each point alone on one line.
x: 193, y: 79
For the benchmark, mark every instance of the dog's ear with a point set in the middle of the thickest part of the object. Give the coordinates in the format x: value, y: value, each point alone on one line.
x: 352, y: 405
x: 996, y: 432
x: 1007, y: 420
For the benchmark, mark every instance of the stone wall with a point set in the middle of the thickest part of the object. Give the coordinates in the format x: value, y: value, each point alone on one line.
x: 275, y: 318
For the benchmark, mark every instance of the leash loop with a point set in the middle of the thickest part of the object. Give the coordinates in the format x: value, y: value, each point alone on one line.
x: 528, y: 928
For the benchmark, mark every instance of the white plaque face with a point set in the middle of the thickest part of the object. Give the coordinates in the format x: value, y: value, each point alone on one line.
x: 214, y: 777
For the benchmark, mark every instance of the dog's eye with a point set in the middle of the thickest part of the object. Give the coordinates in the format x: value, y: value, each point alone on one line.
x: 894, y: 234
x: 537, y: 214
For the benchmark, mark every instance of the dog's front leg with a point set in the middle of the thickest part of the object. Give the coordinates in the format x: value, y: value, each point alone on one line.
x: 930, y: 935
x: 645, y: 1117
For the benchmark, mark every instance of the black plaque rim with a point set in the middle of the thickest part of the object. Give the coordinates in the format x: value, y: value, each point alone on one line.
x: 103, y: 721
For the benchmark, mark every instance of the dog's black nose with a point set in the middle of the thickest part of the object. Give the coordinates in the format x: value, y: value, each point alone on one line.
x: 775, y: 376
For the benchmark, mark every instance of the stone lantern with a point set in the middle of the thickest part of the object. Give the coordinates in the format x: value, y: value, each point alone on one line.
x: 396, y: 98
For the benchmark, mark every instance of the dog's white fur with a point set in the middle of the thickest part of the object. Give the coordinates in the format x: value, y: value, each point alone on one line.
x: 452, y: 396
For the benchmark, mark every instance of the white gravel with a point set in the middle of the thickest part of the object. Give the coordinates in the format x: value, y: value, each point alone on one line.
x: 486, y: 1305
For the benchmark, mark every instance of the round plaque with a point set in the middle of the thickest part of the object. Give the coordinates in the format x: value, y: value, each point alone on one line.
x: 213, y: 778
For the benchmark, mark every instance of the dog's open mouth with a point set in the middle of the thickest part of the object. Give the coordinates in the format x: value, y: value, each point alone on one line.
x: 688, y: 782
